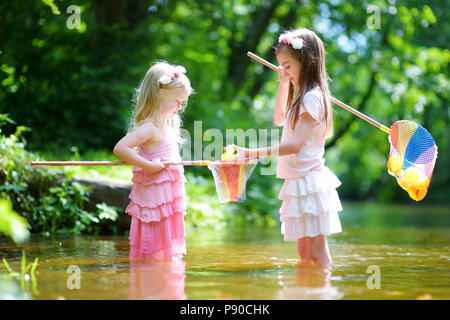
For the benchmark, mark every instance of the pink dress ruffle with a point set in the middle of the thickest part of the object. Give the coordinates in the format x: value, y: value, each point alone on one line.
x: 157, y: 207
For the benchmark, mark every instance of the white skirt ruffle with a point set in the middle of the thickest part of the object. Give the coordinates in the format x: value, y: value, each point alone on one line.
x: 310, y: 205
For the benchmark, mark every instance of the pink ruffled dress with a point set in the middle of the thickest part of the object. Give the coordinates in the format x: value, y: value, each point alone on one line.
x: 310, y: 201
x: 157, y: 206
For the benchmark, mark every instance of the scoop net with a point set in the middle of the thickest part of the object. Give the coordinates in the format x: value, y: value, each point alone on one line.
x: 231, y: 176
x: 412, y: 157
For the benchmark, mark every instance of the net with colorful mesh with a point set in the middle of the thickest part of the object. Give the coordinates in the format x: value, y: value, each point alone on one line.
x: 412, y: 157
x: 230, y: 178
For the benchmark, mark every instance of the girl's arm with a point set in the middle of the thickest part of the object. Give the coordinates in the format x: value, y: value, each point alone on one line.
x: 302, y: 130
x: 279, y: 113
x: 124, y: 149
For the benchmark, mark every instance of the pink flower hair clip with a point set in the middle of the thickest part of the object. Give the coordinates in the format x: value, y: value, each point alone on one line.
x: 176, y: 74
x: 288, y: 38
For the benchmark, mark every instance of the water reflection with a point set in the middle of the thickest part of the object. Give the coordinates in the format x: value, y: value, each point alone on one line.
x: 157, y: 280
x: 311, y: 282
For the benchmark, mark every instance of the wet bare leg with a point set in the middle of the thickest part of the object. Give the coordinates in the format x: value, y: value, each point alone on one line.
x: 319, y: 250
x: 303, y: 249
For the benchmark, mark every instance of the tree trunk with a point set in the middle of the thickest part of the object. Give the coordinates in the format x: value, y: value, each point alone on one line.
x: 238, y: 60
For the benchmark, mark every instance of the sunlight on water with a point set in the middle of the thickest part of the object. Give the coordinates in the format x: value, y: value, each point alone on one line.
x: 410, y: 250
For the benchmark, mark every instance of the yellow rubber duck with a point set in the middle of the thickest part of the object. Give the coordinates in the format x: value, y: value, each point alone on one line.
x: 411, y: 176
x: 422, y: 182
x: 395, y: 163
x: 229, y: 153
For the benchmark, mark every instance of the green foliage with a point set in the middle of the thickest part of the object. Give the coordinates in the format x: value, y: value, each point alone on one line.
x: 11, y: 223
x: 48, y: 201
x: 63, y: 206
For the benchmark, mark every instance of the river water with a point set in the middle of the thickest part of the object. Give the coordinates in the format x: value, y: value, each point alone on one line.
x: 384, y: 252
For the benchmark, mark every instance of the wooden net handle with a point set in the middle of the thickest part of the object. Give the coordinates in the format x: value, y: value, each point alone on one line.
x: 334, y: 100
x: 114, y: 163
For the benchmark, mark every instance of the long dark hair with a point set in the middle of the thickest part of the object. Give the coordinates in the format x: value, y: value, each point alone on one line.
x: 312, y: 73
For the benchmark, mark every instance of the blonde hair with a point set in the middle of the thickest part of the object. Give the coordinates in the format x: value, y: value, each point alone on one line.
x: 146, y: 97
x: 312, y: 73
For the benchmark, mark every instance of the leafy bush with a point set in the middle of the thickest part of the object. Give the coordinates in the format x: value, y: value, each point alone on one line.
x: 47, y: 199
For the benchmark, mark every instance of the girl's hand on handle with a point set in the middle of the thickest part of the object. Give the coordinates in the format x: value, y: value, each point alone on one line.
x: 282, y: 76
x: 241, y: 152
x: 154, y: 166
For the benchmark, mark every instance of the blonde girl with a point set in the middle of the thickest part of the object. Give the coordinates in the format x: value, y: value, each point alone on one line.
x: 157, y: 203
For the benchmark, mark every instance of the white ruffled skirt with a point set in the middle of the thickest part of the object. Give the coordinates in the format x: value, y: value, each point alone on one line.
x: 310, y: 205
